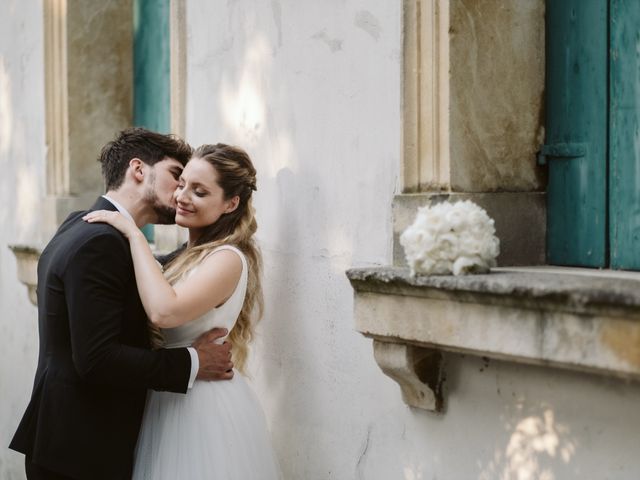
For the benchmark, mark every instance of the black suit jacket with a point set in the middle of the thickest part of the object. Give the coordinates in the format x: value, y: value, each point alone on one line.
x: 94, y: 364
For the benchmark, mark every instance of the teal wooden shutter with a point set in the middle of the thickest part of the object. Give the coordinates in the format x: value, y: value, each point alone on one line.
x: 576, y: 132
x: 151, y: 66
x: 624, y: 135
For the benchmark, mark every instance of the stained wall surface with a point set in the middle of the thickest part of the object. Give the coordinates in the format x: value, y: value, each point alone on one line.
x: 496, y: 91
x: 22, y: 187
x: 312, y: 91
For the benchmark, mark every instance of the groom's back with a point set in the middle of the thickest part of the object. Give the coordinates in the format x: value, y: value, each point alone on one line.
x: 52, y: 310
x: 53, y: 315
x: 75, y: 420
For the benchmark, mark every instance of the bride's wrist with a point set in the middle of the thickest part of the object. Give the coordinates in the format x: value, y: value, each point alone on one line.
x: 135, y: 235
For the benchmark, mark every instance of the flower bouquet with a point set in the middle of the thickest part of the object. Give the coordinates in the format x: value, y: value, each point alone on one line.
x: 447, y: 238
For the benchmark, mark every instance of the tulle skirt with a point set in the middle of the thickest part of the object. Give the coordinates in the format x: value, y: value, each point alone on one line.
x: 216, y: 431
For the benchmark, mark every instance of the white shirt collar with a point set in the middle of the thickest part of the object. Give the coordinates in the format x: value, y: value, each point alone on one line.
x: 120, y: 208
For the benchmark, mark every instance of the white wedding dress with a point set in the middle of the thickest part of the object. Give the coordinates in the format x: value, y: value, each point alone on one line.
x: 217, y: 430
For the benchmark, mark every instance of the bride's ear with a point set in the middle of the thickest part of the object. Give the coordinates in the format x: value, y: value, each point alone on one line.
x: 233, y: 204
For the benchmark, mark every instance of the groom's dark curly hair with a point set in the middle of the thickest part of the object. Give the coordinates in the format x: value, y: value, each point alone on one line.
x: 150, y: 147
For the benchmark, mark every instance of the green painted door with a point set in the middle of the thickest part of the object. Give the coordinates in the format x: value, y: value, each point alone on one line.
x: 624, y: 135
x: 151, y: 69
x: 576, y: 132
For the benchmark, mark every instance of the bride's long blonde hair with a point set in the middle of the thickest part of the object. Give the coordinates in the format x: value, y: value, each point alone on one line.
x: 236, y: 176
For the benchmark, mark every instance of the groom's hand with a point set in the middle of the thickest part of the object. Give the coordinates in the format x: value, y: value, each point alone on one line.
x: 215, y: 358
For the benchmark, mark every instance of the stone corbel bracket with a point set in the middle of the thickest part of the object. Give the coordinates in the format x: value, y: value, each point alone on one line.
x: 418, y: 371
x: 576, y: 319
x: 27, y: 258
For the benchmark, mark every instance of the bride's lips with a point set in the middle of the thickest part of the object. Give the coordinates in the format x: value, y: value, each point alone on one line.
x: 183, y: 211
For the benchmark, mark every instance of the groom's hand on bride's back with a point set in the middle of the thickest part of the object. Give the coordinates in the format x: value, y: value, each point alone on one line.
x: 215, y: 358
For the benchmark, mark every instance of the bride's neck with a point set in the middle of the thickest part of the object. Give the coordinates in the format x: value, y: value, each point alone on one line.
x: 194, y: 235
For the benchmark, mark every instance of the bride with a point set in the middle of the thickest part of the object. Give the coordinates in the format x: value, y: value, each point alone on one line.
x: 218, y: 429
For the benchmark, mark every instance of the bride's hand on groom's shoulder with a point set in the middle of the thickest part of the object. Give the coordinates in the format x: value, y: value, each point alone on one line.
x: 115, y: 219
x: 214, y: 358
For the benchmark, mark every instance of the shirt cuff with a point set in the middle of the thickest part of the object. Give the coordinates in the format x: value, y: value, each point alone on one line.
x: 195, y: 366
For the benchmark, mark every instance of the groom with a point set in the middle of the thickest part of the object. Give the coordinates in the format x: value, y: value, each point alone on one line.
x: 95, y: 362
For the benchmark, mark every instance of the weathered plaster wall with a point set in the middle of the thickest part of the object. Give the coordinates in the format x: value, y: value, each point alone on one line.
x: 496, y: 94
x: 312, y: 91
x: 22, y: 162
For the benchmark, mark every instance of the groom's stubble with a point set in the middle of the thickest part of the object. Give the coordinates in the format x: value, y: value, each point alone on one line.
x: 166, y: 214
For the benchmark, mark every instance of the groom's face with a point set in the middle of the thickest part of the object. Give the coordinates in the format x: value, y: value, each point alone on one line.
x: 161, y: 184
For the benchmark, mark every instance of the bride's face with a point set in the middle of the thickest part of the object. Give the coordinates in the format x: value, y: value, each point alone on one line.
x: 199, y: 199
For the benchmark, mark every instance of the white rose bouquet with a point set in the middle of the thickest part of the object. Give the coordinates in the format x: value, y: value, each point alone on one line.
x: 446, y: 238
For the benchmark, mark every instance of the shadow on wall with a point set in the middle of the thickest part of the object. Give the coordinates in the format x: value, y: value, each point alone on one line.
x: 535, y: 440
x: 308, y: 217
x: 291, y: 363
x: 533, y: 443
x: 510, y: 422
x: 286, y: 368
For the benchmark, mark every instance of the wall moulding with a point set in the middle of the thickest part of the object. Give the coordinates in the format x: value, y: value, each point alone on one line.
x: 425, y: 95
x: 178, y: 69
x: 472, y: 100
x: 27, y: 259
x: 88, y: 95
x: 56, y: 98
x: 573, y: 319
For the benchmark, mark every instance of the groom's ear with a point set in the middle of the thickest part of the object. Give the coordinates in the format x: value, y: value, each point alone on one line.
x: 136, y: 168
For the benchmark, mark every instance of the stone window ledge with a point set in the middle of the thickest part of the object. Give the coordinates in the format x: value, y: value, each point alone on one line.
x: 578, y: 319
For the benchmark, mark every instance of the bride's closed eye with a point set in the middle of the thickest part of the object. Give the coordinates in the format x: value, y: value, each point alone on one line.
x: 197, y: 189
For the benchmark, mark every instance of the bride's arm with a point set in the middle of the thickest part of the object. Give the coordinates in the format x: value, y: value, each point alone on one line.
x: 168, y: 306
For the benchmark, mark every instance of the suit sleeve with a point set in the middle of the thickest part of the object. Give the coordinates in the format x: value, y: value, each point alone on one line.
x: 96, y: 285
x: 164, y: 259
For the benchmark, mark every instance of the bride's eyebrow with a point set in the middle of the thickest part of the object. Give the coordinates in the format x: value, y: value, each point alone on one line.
x: 198, y: 184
